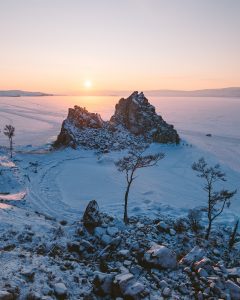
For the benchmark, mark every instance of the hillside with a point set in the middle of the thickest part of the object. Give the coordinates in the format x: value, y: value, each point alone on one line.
x: 19, y: 93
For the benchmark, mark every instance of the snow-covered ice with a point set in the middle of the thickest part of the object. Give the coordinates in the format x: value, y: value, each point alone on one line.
x: 61, y: 183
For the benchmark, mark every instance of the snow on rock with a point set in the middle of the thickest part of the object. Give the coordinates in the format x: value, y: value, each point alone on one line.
x: 137, y: 115
x: 234, y: 290
x: 91, y: 217
x: 102, y: 283
x: 195, y: 254
x: 47, y: 259
x: 134, y: 121
x: 4, y: 295
x: 160, y: 256
x: 60, y: 289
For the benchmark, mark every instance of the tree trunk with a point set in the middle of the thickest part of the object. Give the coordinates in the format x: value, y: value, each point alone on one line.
x: 208, y: 229
x: 125, y: 218
x: 11, y: 148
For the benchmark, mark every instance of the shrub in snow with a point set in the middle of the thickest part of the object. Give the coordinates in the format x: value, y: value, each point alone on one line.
x: 217, y: 200
x: 233, y: 237
x: 9, y: 131
x: 194, y: 219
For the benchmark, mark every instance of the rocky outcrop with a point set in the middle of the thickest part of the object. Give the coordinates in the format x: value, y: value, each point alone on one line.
x: 137, y: 115
x: 91, y: 217
x: 78, y: 119
x: 134, y: 121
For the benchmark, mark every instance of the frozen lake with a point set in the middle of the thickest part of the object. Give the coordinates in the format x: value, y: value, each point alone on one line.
x: 74, y: 173
x: 38, y: 119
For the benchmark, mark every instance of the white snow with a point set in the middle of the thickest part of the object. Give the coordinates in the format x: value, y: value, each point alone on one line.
x: 61, y: 183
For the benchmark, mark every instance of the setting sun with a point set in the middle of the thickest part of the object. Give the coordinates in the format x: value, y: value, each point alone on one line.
x: 88, y: 84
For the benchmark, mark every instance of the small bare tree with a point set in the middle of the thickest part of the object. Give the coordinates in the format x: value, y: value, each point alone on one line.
x: 194, y: 219
x: 217, y: 200
x: 129, y: 165
x: 233, y: 236
x: 9, y: 131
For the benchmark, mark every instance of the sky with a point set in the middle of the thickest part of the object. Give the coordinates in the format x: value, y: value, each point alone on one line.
x: 79, y: 46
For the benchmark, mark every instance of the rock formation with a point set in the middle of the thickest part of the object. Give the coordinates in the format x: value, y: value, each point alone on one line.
x: 137, y: 115
x: 134, y: 122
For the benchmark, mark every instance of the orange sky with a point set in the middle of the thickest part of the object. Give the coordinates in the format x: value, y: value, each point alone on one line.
x: 55, y: 46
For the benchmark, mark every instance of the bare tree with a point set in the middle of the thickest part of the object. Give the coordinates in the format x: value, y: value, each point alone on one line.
x: 194, y: 219
x: 9, y: 131
x: 129, y: 165
x: 233, y: 236
x: 217, y: 200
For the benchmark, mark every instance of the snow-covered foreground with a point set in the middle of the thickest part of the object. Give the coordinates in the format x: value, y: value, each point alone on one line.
x: 45, y: 253
x: 61, y: 183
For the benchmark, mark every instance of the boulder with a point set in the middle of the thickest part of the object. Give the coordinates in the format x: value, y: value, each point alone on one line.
x: 4, y: 295
x: 194, y: 255
x: 234, y: 290
x: 60, y: 290
x: 135, y: 291
x: 166, y: 292
x: 161, y: 257
x: 121, y: 283
x: 91, y: 217
x: 234, y: 272
x: 112, y: 231
x: 102, y: 284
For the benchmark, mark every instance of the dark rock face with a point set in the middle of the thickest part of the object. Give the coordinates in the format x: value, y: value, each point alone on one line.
x: 134, y: 122
x: 137, y: 115
x: 81, y: 118
x: 78, y: 118
x: 91, y: 217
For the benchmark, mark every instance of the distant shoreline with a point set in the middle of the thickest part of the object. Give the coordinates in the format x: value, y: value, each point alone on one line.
x: 231, y: 92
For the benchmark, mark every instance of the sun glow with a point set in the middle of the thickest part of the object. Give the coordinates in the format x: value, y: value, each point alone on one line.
x: 87, y: 84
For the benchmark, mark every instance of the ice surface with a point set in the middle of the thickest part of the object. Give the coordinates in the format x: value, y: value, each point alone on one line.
x: 61, y: 183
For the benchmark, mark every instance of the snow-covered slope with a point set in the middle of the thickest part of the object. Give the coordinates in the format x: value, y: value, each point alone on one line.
x: 46, y: 253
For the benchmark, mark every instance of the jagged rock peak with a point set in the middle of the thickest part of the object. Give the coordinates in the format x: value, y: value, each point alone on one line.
x: 137, y: 115
x: 134, y: 121
x: 81, y: 118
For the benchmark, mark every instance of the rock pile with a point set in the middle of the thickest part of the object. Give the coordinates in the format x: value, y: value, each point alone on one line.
x: 134, y: 122
x: 143, y: 260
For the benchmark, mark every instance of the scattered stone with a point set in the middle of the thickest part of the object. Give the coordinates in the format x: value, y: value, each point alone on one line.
x: 106, y: 239
x: 166, y: 292
x: 112, y: 231
x: 99, y: 231
x: 163, y: 284
x: 103, y: 283
x: 202, y: 273
x: 161, y: 257
x: 162, y: 226
x: 234, y: 290
x: 135, y: 291
x: 60, y: 289
x: 194, y: 255
x: 4, y: 295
